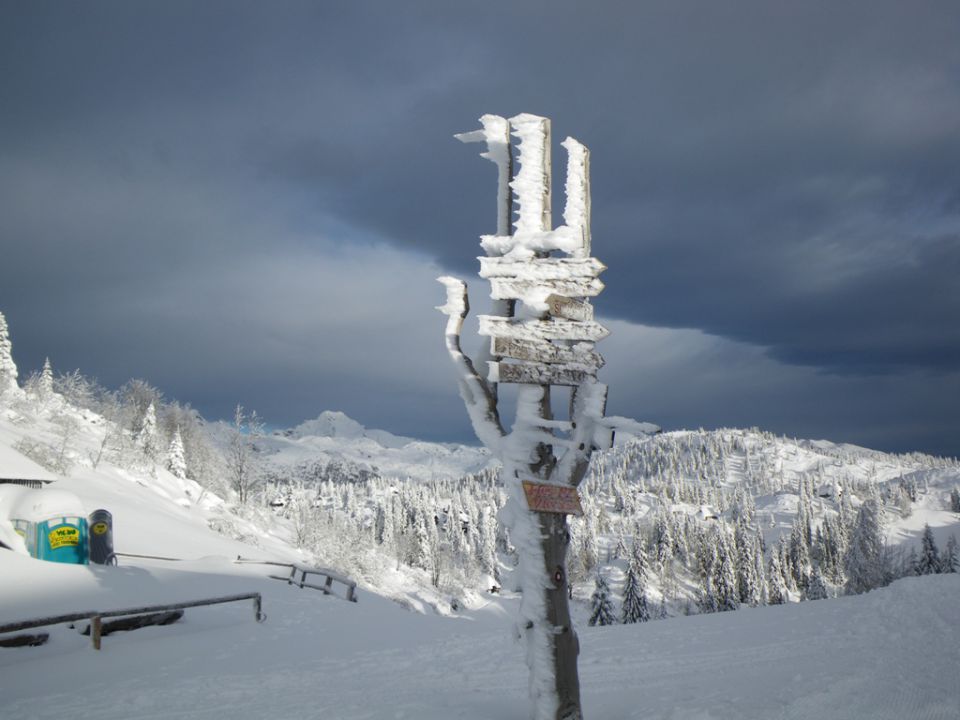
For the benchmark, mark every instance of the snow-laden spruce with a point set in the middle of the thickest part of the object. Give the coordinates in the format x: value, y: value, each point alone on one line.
x: 8, y: 368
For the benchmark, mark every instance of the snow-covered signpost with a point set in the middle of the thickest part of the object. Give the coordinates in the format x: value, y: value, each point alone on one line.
x: 542, y: 336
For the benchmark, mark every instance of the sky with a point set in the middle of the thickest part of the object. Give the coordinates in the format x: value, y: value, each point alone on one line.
x: 250, y: 202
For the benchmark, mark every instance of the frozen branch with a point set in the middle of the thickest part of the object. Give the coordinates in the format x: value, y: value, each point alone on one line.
x: 477, y: 396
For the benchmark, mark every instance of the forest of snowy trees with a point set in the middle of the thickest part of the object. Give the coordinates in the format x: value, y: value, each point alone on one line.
x: 670, y: 526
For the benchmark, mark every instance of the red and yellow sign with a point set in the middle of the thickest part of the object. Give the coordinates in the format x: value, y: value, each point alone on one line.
x: 552, y: 498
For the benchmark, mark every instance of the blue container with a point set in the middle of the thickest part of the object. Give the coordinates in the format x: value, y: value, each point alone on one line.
x: 63, y: 540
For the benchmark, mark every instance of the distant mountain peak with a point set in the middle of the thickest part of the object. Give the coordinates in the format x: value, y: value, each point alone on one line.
x: 329, y: 423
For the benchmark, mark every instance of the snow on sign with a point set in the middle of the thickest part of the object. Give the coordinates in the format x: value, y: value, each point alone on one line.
x: 550, y: 329
x: 555, y: 268
x: 505, y: 288
x: 552, y: 498
x: 564, y: 307
x: 546, y: 352
x: 535, y: 374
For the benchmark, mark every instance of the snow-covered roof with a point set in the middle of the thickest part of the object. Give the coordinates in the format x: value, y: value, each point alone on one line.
x: 22, y: 503
x: 16, y: 466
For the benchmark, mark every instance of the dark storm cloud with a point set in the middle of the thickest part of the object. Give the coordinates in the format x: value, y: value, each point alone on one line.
x: 781, y: 177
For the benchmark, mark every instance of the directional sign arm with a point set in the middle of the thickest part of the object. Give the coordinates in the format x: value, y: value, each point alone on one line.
x: 537, y: 269
x: 536, y: 374
x: 543, y: 351
x: 512, y: 288
x: 569, y: 309
x: 552, y: 329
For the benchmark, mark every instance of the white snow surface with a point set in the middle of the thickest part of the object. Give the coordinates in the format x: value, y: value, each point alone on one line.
x: 17, y: 502
x: 890, y: 654
x: 16, y: 466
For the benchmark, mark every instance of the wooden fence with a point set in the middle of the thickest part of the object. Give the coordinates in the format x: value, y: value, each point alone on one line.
x: 350, y: 593
x: 96, y: 617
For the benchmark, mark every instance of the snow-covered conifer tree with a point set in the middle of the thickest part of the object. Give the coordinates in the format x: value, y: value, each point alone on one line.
x: 45, y: 386
x: 601, y: 607
x: 635, y: 604
x: 147, y: 440
x: 929, y: 561
x: 783, y: 555
x: 776, y: 585
x: 420, y: 540
x: 725, y: 580
x: 864, y: 562
x: 748, y: 584
x: 758, y: 596
x: 816, y: 587
x: 8, y: 369
x: 707, y: 600
x: 950, y: 562
x: 910, y: 565
x: 176, y: 461
x: 488, y: 543
x: 388, y: 533
x: 799, y: 551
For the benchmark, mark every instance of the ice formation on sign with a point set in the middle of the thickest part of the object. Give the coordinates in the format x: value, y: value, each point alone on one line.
x: 576, y: 213
x: 496, y: 134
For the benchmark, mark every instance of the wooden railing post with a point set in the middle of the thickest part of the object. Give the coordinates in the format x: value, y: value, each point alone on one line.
x: 96, y: 626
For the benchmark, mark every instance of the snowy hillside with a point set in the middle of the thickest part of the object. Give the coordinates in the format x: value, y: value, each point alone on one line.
x: 676, y: 507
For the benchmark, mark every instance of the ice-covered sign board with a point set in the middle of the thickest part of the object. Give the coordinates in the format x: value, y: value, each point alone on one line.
x: 552, y: 498
x: 551, y: 342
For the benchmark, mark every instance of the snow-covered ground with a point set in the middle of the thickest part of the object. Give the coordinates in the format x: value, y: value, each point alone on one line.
x: 892, y: 653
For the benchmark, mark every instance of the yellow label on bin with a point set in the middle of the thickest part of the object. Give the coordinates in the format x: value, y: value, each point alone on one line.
x: 99, y: 528
x: 64, y: 536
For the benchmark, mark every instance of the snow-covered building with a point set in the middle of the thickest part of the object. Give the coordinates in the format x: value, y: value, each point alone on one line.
x: 17, y: 469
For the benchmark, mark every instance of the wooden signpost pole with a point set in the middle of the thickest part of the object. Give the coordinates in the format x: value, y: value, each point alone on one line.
x: 542, y: 334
